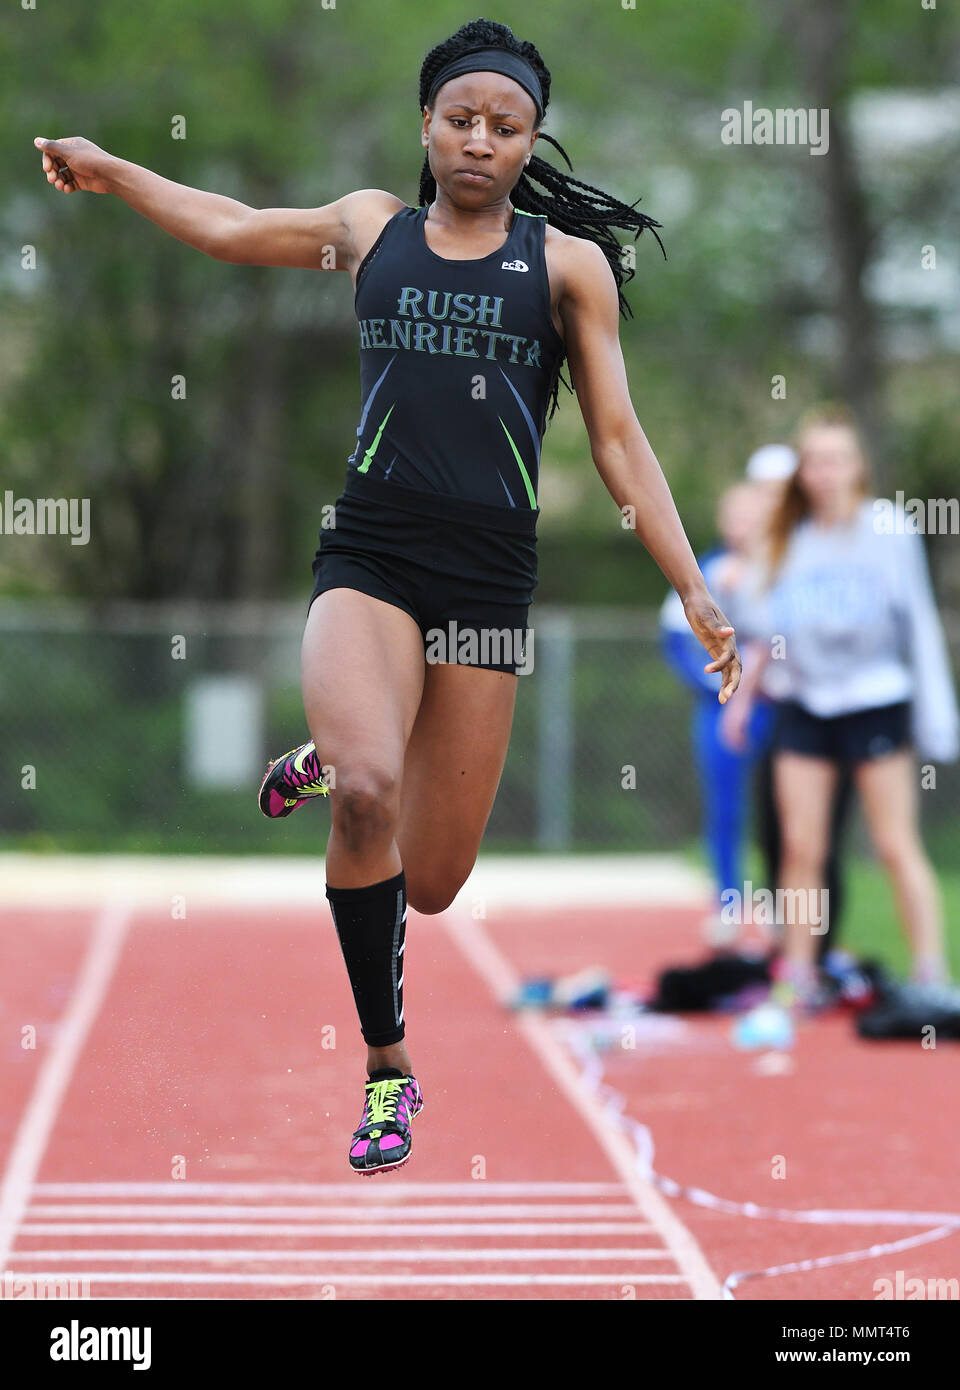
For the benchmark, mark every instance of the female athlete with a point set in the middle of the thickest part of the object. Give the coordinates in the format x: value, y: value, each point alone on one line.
x: 467, y: 305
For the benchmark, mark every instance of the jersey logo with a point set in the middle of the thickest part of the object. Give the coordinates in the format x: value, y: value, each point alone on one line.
x: 514, y: 265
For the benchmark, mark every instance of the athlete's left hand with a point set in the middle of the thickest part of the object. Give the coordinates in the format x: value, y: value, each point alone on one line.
x: 711, y: 628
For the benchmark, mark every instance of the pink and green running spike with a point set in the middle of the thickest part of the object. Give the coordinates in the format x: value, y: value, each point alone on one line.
x: 383, y: 1138
x: 291, y: 781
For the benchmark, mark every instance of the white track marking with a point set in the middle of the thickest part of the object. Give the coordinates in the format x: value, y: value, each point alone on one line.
x: 480, y: 951
x: 245, y: 885
x: 480, y: 1188
x: 39, y: 1118
x: 866, y: 1217
x: 270, y: 1228
x: 365, y: 1280
x: 571, y: 1254
x: 412, y: 1214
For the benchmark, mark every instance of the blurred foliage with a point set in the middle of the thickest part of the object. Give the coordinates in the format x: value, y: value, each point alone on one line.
x: 290, y: 103
x: 100, y: 711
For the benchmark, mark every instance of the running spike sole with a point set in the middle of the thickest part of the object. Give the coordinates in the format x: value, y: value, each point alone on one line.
x: 384, y: 1167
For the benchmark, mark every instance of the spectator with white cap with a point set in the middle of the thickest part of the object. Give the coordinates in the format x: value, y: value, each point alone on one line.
x: 864, y: 679
x: 772, y: 463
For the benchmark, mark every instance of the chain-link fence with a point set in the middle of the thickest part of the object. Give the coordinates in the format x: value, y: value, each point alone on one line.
x: 146, y: 728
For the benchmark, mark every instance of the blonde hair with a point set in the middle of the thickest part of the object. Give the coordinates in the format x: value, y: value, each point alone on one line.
x: 794, y: 505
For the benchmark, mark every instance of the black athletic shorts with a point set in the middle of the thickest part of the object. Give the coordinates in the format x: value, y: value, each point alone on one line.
x: 464, y: 571
x: 845, y: 738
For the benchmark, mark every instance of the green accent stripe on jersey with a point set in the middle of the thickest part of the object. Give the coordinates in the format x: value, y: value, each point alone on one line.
x: 532, y: 496
x: 368, y: 456
x: 530, y: 214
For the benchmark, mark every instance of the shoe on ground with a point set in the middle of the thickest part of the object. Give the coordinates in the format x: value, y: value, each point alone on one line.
x: 905, y: 1011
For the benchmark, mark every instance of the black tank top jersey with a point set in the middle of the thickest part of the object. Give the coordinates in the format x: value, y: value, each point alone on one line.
x: 457, y: 362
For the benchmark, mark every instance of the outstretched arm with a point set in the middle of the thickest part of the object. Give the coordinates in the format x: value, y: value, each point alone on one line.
x: 311, y: 238
x: 589, y: 308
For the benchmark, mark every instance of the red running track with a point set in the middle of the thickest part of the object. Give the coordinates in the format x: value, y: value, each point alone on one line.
x: 180, y: 1128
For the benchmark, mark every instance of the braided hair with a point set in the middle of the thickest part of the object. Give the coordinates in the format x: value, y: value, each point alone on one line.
x: 573, y: 207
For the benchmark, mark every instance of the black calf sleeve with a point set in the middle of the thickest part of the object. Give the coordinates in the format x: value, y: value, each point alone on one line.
x: 371, y: 923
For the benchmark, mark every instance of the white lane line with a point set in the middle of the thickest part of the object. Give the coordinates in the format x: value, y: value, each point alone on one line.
x: 270, y: 1228
x: 366, y: 1280
x: 480, y: 1212
x: 245, y: 885
x: 571, y: 1254
x: 40, y: 1116
x: 479, y: 1189
x: 480, y: 951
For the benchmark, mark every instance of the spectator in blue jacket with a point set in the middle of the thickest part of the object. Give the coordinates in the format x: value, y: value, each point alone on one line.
x: 723, y: 771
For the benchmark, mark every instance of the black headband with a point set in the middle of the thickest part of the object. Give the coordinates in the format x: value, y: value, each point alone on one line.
x: 492, y: 60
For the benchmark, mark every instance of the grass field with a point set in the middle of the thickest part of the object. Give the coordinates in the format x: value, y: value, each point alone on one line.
x: 871, y: 928
x: 870, y: 925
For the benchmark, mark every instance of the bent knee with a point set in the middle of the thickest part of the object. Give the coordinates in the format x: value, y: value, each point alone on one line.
x: 430, y: 901
x: 364, y: 801
x: 431, y: 896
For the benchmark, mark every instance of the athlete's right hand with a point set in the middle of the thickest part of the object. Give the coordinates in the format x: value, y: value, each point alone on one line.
x: 86, y: 161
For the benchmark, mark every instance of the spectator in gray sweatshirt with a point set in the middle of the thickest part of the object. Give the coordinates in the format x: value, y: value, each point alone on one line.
x: 840, y: 626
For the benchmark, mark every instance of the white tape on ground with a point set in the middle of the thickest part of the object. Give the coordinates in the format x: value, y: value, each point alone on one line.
x: 614, y: 1104
x: 825, y: 1261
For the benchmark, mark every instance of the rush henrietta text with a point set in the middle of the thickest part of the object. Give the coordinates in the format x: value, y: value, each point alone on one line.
x: 452, y: 325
